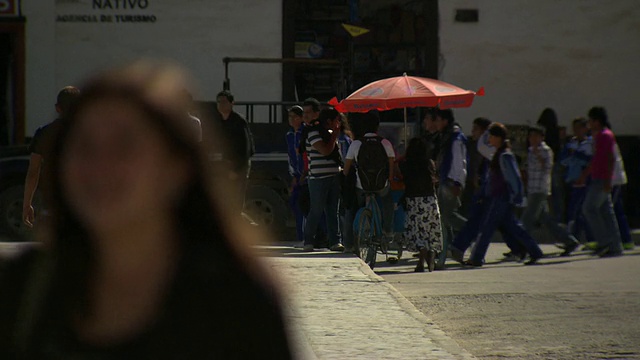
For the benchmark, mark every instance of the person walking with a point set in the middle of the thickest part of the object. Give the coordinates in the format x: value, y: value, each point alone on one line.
x: 539, y: 165
x: 41, y: 148
x: 549, y: 121
x: 323, y: 179
x: 618, y: 182
x: 575, y: 157
x: 598, y: 206
x: 452, y: 172
x: 239, y: 141
x: 504, y: 189
x: 423, y: 228
x: 296, y: 167
x: 471, y: 229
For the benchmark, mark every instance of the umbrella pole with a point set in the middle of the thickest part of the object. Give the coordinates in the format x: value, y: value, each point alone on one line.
x: 405, y: 129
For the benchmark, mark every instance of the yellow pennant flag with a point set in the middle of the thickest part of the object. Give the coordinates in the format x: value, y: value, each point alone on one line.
x: 355, y: 31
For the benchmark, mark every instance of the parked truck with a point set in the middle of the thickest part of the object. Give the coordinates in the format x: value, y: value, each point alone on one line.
x: 266, y: 196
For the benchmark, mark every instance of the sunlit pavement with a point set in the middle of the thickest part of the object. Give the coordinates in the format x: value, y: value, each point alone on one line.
x: 577, y: 307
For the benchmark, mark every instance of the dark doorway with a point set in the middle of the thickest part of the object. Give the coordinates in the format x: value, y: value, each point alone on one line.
x: 402, y: 37
x: 12, y: 83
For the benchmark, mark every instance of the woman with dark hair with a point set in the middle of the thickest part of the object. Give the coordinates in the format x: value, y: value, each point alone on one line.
x: 140, y: 258
x: 549, y: 120
x: 598, y: 207
x: 423, y: 230
x: 503, y: 190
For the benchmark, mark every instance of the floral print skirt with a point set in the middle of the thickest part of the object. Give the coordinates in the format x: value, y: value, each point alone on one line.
x: 422, y: 224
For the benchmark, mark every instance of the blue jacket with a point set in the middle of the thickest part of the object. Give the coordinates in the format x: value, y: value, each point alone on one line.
x: 575, y: 156
x: 511, y: 175
x: 296, y: 164
x: 453, y: 162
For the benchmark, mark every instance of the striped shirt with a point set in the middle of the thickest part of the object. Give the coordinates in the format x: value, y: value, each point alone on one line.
x: 539, y: 170
x: 320, y: 166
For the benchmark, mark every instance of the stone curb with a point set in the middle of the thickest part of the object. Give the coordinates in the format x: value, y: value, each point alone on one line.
x: 441, y: 338
x: 305, y: 346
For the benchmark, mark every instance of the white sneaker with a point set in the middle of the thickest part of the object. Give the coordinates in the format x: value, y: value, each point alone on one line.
x: 337, y: 247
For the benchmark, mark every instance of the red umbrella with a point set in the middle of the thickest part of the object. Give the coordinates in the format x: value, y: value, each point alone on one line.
x: 406, y: 92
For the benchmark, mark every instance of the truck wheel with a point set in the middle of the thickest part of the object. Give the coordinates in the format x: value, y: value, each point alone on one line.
x: 266, y: 208
x: 11, y: 212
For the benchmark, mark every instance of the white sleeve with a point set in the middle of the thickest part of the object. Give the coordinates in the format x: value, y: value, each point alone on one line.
x: 588, y: 149
x: 388, y: 148
x: 353, y: 150
x: 484, y: 148
x: 458, y: 171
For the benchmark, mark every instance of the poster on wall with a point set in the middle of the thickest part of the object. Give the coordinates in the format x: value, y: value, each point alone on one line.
x: 9, y: 8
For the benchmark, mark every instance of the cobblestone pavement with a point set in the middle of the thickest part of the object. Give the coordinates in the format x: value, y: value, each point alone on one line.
x: 570, y: 308
x: 340, y: 309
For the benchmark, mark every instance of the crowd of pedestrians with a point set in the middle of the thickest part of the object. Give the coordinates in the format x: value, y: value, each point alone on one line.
x: 504, y: 193
x: 138, y: 223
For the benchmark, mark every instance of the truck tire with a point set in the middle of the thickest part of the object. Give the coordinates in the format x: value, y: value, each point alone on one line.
x: 11, y: 213
x: 266, y: 208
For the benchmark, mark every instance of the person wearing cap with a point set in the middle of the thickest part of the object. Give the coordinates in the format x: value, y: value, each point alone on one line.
x: 41, y: 147
x: 296, y: 166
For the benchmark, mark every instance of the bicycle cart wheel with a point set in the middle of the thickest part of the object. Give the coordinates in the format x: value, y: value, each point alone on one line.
x: 366, y: 249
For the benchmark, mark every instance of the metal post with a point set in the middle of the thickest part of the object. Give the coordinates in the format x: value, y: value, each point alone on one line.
x: 226, y: 85
x: 405, y: 129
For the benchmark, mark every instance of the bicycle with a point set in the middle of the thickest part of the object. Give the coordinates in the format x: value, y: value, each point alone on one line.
x: 367, y: 228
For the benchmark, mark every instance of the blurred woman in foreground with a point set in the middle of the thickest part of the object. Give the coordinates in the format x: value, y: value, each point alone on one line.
x: 141, y: 259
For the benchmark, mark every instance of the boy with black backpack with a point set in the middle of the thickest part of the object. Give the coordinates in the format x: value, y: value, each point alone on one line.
x: 374, y: 159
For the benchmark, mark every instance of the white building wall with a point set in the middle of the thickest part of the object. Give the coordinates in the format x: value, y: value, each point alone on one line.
x: 531, y: 54
x: 40, y: 53
x: 197, y: 34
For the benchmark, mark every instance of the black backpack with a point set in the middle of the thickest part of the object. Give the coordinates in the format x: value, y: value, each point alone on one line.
x: 373, y: 164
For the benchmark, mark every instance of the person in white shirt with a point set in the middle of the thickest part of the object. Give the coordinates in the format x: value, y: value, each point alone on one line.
x: 381, y: 152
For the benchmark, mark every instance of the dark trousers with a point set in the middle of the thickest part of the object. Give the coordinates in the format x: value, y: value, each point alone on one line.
x: 241, y: 182
x: 325, y: 198
x: 598, y: 210
x: 471, y: 230
x: 575, y: 218
x: 297, y: 212
x: 451, y: 220
x: 499, y: 213
x: 618, y: 208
